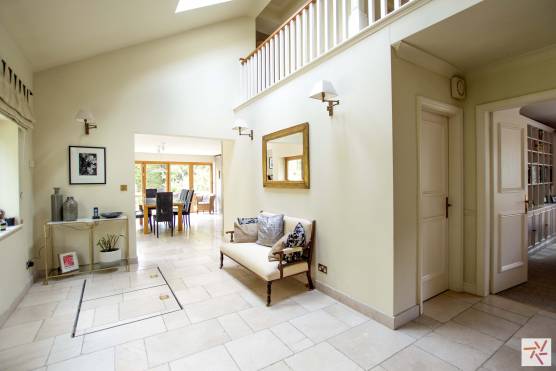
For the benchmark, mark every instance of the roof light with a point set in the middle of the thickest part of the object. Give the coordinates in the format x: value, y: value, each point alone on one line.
x: 185, y: 5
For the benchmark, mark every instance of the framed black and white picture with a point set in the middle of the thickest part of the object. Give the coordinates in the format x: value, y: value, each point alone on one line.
x: 87, y: 165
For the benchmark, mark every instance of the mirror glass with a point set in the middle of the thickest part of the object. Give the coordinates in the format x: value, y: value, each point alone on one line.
x: 286, y: 158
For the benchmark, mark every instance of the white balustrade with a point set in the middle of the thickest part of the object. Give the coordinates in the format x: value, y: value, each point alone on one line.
x: 315, y: 29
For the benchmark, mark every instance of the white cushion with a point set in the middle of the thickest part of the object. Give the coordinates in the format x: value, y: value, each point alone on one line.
x: 255, y: 258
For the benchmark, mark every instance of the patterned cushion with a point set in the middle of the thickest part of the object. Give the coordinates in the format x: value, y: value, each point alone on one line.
x: 241, y: 221
x: 245, y: 232
x: 296, y: 238
x: 271, y: 228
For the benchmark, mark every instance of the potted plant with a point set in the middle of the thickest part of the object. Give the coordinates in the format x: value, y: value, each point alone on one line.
x: 109, y: 251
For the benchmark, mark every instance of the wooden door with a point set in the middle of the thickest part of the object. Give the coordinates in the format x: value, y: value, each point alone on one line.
x: 509, y: 188
x: 433, y: 223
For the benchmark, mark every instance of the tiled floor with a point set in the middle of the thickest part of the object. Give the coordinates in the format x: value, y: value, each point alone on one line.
x: 114, y: 299
x: 225, y: 324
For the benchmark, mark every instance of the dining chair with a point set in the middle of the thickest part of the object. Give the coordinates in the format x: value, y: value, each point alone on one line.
x: 139, y: 214
x: 151, y: 193
x: 187, y: 209
x: 182, y: 198
x: 164, y: 211
x: 183, y: 194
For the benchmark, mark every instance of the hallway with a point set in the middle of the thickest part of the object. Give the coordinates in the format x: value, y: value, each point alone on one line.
x: 225, y: 324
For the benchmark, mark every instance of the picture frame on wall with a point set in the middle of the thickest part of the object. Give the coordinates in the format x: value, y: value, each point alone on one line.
x: 87, y: 165
x: 68, y: 262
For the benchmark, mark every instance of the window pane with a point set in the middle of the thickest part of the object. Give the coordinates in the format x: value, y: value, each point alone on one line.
x: 138, y: 186
x: 179, y: 178
x: 201, y: 179
x: 156, y: 176
x: 295, y: 171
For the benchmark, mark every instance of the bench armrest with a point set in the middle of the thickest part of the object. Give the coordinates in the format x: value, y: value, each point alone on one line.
x: 291, y: 250
x: 231, y: 233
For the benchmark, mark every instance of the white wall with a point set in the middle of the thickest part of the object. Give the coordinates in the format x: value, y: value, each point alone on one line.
x: 16, y: 249
x: 352, y: 164
x: 351, y: 195
x: 182, y: 85
x: 409, y: 82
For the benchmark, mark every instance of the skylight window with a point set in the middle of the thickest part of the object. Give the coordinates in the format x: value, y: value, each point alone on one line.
x: 185, y: 5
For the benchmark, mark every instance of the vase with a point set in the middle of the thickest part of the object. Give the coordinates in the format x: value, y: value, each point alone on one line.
x: 56, y: 205
x: 70, y: 210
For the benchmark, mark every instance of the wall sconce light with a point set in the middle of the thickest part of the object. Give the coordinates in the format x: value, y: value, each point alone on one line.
x: 86, y: 117
x: 325, y: 92
x: 243, y: 129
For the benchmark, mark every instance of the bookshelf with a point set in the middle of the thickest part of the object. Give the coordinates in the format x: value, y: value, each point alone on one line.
x: 539, y: 166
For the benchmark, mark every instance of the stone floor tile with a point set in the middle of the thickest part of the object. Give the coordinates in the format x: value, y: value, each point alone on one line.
x: 321, y: 357
x: 370, y: 343
x: 214, y: 359
x: 184, y: 341
x: 257, y: 350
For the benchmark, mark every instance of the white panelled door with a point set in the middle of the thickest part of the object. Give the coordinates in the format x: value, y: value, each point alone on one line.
x: 509, y: 187
x: 433, y: 219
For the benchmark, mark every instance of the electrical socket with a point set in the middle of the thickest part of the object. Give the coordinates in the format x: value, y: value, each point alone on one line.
x: 323, y: 268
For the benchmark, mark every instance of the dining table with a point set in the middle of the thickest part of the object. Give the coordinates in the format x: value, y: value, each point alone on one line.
x: 150, y: 203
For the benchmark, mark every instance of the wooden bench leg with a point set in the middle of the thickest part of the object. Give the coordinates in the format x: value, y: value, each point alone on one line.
x: 309, y: 280
x: 221, y: 260
x: 268, y: 292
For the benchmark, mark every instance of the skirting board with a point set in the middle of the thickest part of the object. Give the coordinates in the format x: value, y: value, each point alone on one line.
x: 4, y: 316
x: 393, y: 322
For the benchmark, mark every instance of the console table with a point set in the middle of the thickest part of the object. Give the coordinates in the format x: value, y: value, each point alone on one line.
x: 83, y: 224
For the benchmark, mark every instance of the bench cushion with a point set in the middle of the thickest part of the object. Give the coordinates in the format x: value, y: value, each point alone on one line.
x: 255, y: 258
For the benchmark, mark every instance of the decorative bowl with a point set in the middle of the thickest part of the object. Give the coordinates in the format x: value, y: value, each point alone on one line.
x: 111, y: 215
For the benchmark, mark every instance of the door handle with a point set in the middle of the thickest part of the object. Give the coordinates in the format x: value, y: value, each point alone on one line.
x: 447, y: 205
x: 526, y: 206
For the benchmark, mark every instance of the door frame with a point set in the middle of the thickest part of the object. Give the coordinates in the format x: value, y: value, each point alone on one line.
x: 483, y: 120
x: 455, y: 191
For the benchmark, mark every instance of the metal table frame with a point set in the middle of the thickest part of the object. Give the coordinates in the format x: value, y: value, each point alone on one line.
x: 90, y: 226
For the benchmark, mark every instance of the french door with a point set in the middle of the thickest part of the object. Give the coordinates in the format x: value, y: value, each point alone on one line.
x: 172, y: 177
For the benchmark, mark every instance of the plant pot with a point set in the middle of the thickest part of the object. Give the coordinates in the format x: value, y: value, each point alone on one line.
x: 110, y: 258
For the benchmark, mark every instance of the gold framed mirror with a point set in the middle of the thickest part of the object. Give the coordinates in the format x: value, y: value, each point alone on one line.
x: 286, y: 158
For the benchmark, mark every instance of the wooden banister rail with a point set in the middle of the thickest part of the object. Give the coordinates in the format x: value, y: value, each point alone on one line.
x: 298, y: 12
x: 314, y: 29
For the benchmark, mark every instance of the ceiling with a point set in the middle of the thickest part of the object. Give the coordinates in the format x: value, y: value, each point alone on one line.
x: 490, y: 31
x: 177, y: 145
x: 55, y: 32
x: 543, y: 112
x: 276, y: 13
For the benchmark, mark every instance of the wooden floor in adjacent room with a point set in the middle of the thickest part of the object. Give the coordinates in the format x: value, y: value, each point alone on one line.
x: 540, y: 289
